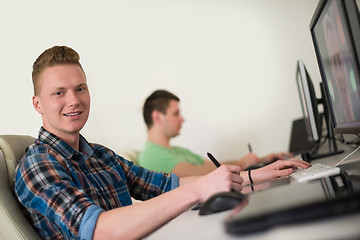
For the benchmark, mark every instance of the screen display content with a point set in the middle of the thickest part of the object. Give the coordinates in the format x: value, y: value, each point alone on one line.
x: 335, y: 28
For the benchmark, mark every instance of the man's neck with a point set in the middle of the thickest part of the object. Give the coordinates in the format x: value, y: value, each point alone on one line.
x: 73, y: 141
x: 158, y: 138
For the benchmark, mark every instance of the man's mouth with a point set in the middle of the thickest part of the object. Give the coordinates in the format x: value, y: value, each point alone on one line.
x: 72, y: 114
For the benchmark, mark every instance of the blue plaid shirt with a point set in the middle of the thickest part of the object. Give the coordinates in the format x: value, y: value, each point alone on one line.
x: 64, y: 190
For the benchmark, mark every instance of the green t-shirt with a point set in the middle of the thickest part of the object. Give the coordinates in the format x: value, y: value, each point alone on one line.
x: 161, y: 159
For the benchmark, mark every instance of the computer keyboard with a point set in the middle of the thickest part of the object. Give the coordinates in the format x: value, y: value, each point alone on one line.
x: 316, y: 171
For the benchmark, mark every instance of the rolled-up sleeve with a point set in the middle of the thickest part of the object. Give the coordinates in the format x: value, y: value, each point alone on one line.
x: 88, y: 222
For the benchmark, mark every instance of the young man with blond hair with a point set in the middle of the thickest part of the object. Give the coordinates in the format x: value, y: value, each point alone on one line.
x: 72, y: 189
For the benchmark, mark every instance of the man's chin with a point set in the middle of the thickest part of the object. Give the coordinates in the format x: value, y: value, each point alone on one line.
x: 74, y: 129
x: 175, y: 135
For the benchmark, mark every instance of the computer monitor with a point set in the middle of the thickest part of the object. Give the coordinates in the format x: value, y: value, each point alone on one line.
x: 335, y: 30
x: 309, y: 103
x: 307, y: 144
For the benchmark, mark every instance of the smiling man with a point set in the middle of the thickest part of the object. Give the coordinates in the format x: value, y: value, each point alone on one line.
x: 72, y: 189
x: 64, y: 105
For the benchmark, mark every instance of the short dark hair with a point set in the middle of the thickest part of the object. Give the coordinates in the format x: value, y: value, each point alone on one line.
x: 157, y: 101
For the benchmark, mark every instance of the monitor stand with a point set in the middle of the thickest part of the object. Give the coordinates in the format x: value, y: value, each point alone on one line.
x: 299, y: 143
x: 309, y: 150
x: 332, y: 149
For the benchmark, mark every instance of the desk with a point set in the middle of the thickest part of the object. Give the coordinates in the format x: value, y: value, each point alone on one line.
x: 190, y: 225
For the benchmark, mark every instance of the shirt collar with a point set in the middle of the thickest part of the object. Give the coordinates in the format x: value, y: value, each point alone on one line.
x: 62, y: 147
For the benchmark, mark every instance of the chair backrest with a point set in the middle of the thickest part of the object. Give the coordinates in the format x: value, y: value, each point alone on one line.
x: 13, y: 148
x: 132, y: 155
x: 13, y: 223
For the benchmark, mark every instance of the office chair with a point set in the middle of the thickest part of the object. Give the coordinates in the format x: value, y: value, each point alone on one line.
x: 132, y: 155
x: 14, y: 224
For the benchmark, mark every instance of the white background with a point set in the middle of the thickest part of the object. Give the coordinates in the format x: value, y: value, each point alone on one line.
x: 232, y: 63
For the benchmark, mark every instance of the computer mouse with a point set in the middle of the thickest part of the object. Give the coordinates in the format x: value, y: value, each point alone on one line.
x: 221, y: 201
x: 255, y: 166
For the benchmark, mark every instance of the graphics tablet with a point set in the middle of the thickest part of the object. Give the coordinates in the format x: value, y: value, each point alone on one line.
x: 293, y: 203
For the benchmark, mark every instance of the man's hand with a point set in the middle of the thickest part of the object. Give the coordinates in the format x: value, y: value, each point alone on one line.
x: 272, y: 157
x: 224, y: 178
x: 278, y: 169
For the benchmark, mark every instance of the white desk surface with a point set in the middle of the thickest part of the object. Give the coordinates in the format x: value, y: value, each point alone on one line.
x: 190, y: 225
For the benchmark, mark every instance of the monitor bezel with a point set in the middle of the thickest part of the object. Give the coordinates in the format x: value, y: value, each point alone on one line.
x: 307, y: 94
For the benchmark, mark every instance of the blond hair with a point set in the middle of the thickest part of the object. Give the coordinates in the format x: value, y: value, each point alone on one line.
x: 56, y: 55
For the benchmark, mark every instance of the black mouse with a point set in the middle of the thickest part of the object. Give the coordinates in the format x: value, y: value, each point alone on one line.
x: 221, y: 201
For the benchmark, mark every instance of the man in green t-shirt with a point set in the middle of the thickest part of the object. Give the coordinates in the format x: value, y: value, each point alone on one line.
x: 162, y: 116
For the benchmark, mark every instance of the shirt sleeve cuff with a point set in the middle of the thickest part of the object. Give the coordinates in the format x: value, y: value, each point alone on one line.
x: 174, y: 181
x: 88, y: 222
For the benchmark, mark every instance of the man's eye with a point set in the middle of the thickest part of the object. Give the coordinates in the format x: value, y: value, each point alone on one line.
x: 57, y: 93
x: 81, y: 89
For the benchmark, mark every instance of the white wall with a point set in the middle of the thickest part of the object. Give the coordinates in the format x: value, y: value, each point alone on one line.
x: 232, y: 62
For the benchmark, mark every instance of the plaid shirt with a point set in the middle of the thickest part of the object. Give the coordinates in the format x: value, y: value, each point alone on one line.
x: 63, y: 189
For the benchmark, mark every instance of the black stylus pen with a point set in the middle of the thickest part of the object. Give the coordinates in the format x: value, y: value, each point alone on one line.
x: 250, y: 148
x: 217, y: 164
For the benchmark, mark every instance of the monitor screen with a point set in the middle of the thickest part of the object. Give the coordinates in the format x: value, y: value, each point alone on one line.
x: 335, y: 32
x: 308, y: 102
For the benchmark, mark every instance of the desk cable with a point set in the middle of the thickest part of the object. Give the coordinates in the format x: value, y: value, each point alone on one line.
x: 348, y: 156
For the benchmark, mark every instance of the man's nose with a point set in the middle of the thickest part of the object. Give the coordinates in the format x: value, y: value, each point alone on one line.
x: 72, y: 99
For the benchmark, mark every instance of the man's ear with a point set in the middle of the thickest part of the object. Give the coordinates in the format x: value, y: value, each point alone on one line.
x: 156, y: 117
x: 36, y: 104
